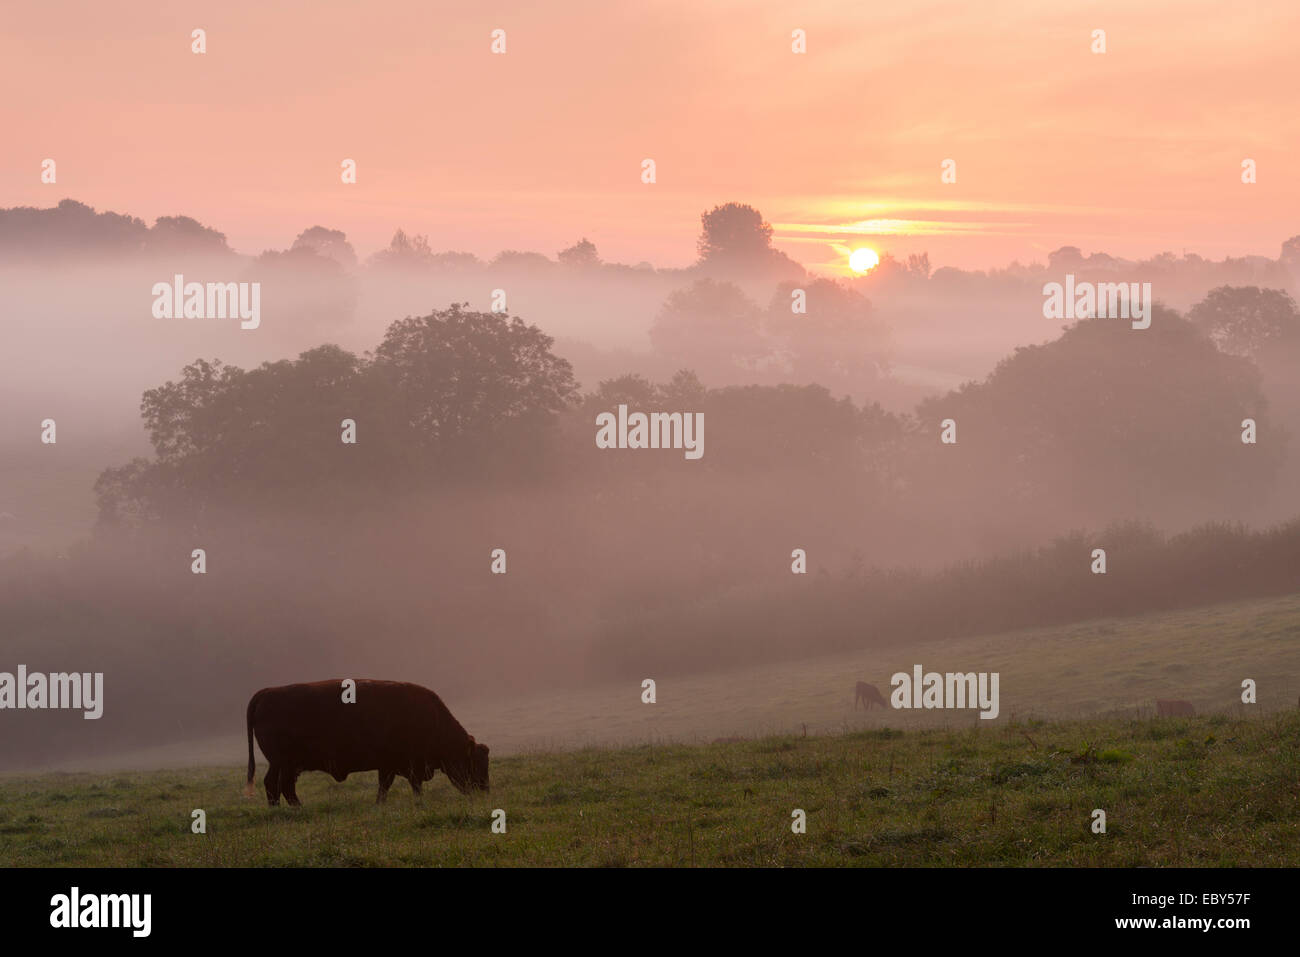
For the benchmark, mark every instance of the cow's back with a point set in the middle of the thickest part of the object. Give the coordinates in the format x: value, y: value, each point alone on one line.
x: 310, y: 727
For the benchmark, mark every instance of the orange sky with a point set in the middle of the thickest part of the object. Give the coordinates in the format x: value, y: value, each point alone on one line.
x: 1134, y: 151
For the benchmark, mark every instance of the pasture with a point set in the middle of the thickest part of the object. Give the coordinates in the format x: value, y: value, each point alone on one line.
x: 1104, y: 667
x: 593, y: 777
x: 1212, y: 790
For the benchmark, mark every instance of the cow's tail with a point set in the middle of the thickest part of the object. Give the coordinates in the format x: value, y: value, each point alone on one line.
x: 252, y: 762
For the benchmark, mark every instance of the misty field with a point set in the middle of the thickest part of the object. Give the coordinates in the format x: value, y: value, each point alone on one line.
x: 1212, y: 790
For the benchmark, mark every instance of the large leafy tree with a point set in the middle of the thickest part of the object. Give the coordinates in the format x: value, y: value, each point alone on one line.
x: 1248, y: 320
x: 712, y: 325
x: 837, y: 341
x: 1106, y: 422
x: 330, y: 243
x: 456, y: 373
x: 735, y: 240
x: 437, y: 396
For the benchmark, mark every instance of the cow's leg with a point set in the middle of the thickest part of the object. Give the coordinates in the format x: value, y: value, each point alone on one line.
x: 415, y: 782
x: 272, y: 783
x: 385, y: 782
x: 288, y: 781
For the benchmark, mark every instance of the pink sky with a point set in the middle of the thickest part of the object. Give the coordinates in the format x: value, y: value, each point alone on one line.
x: 1134, y: 151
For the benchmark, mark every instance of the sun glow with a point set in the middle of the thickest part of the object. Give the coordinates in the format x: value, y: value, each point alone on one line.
x: 863, y: 260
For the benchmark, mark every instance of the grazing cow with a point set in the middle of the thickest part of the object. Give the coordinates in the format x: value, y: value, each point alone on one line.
x: 1172, y: 708
x: 392, y: 727
x: 867, y: 693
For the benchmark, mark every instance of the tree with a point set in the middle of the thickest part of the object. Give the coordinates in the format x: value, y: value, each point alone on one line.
x: 581, y: 255
x: 837, y: 341
x: 517, y: 261
x: 711, y: 323
x: 1247, y: 320
x: 456, y: 376
x: 454, y: 391
x: 736, y: 240
x: 302, y: 261
x: 69, y: 228
x: 181, y: 234
x: 222, y: 434
x: 1290, y: 256
x: 452, y: 262
x: 330, y: 243
x: 404, y: 252
x: 631, y: 389
x: 1105, y: 423
x: 1065, y: 259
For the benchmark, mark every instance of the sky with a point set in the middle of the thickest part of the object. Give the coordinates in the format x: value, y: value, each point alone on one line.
x: 1134, y: 151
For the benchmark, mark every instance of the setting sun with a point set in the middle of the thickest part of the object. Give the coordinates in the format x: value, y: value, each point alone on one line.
x: 863, y: 260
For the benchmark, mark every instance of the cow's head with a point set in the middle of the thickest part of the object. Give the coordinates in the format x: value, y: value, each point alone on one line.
x: 478, y: 764
x: 468, y: 770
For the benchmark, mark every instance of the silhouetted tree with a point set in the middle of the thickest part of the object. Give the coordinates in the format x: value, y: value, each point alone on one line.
x: 1290, y: 256
x: 71, y: 228
x: 1065, y: 259
x: 837, y: 341
x: 581, y: 255
x: 1247, y: 320
x: 711, y: 323
x: 635, y: 391
x: 330, y: 243
x: 516, y: 261
x: 456, y: 375
x: 451, y: 392
x: 455, y: 262
x: 304, y: 261
x: 404, y: 252
x: 1105, y: 422
x: 182, y: 234
x: 735, y: 240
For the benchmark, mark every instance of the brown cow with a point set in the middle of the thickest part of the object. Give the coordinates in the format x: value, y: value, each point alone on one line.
x: 1172, y: 708
x: 392, y: 727
x: 868, y: 694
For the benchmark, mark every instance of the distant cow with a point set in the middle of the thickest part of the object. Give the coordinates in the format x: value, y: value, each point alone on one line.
x: 1171, y: 708
x: 393, y: 727
x: 867, y: 693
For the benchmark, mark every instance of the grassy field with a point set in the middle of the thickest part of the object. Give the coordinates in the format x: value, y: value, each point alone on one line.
x: 594, y: 777
x: 1211, y: 790
x: 1115, y: 667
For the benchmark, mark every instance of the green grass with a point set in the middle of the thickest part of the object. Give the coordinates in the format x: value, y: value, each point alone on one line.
x: 880, y: 788
x: 1205, y: 791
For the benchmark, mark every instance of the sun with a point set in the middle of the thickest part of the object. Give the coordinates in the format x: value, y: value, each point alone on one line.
x: 863, y: 260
